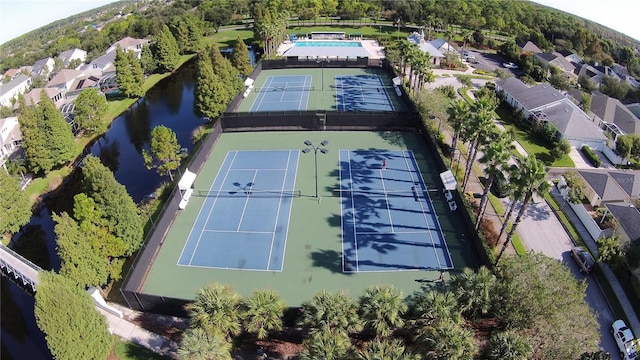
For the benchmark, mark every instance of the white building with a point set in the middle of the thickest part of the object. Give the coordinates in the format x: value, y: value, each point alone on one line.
x: 13, y: 88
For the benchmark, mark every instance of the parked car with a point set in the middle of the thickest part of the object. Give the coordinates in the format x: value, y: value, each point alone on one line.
x: 510, y: 65
x: 625, y: 340
x: 584, y: 259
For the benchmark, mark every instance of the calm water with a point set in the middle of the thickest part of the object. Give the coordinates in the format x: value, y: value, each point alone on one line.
x: 170, y: 104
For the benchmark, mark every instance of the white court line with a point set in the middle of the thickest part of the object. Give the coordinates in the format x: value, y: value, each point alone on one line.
x: 246, y: 201
x: 275, y: 225
x: 424, y: 214
x: 386, y: 198
x: 238, y: 232
x: 353, y: 208
x: 261, y: 95
x: 286, y: 233
x: 392, y: 233
x: 210, y: 210
x: 341, y: 209
x: 386, y: 93
x: 434, y: 216
x: 202, y: 207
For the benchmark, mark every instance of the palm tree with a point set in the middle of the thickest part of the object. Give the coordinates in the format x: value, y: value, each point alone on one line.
x: 326, y: 344
x: 496, y: 154
x: 216, y: 309
x: 515, y: 194
x: 197, y: 344
x: 381, y: 309
x: 262, y: 312
x: 480, y: 127
x: 427, y: 309
x: 335, y: 312
x: 386, y: 350
x: 467, y: 35
x: 17, y: 165
x: 459, y: 114
x: 474, y: 290
x: 404, y: 49
x: 532, y: 181
x: 447, y: 341
x: 413, y: 57
x: 508, y: 346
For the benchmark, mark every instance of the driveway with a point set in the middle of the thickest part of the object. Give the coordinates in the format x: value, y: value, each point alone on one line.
x: 490, y: 62
x: 541, y: 231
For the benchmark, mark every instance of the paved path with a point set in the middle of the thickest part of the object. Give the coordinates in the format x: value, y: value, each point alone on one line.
x: 134, y: 333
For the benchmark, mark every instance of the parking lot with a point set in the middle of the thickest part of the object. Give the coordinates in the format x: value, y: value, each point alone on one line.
x: 489, y: 62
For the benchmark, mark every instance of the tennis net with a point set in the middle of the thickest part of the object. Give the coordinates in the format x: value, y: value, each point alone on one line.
x: 414, y: 193
x: 282, y: 88
x: 250, y: 193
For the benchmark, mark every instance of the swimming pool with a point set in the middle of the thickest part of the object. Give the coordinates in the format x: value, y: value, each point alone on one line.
x: 329, y: 43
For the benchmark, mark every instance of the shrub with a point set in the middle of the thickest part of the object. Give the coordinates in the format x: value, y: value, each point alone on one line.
x: 591, y: 156
x: 479, y: 72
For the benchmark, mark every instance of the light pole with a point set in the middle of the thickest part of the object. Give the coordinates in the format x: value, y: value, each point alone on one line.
x: 315, y: 149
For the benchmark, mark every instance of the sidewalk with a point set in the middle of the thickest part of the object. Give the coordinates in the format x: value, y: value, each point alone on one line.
x: 633, y: 322
x: 134, y: 333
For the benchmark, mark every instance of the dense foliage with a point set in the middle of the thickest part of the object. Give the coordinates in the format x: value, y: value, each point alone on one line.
x: 74, y: 329
x: 164, y: 154
x: 14, y: 204
x: 90, y: 107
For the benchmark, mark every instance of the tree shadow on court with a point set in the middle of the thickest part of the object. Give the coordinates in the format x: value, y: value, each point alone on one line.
x: 328, y: 259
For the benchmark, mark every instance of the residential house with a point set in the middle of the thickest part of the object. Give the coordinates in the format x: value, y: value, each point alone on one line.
x: 73, y: 54
x: 556, y: 59
x: 595, y: 73
x: 33, y: 96
x: 104, y: 63
x: 15, y: 87
x: 64, y: 79
x: 10, y: 138
x: 624, y: 76
x: 82, y: 83
x: 11, y: 74
x: 635, y: 109
x: 129, y: 44
x: 427, y: 47
x: 443, y: 46
x: 571, y: 56
x: 529, y: 47
x: 628, y: 218
x: 43, y: 67
x: 615, y: 117
x: 609, y: 186
x: 542, y: 103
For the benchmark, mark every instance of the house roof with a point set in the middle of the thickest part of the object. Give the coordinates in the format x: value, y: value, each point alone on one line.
x: 613, y: 185
x: 613, y: 111
x: 128, y: 42
x: 547, y: 56
x: 33, y: 96
x: 64, y: 76
x: 65, y: 56
x: 572, y: 122
x: 104, y: 60
x: 429, y: 48
x: 40, y: 64
x: 628, y: 217
x: 415, y: 38
x: 441, y: 43
x: 529, y: 47
x: 530, y: 98
x: 16, y: 82
x: 565, y: 52
x: 11, y: 72
x: 12, y: 135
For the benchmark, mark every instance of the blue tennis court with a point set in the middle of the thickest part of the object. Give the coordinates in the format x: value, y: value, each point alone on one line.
x: 283, y: 93
x: 388, y: 220
x: 361, y: 93
x: 244, y: 219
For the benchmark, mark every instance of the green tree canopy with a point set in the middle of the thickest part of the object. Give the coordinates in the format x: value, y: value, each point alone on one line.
x: 165, y: 153
x: 15, y: 209
x: 166, y: 50
x: 539, y: 295
x: 67, y: 315
x: 210, y: 94
x: 240, y: 58
x: 90, y: 107
x: 129, y: 73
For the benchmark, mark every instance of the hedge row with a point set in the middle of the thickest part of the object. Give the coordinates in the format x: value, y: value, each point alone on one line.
x: 593, y: 158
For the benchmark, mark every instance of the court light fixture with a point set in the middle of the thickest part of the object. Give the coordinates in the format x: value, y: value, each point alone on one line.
x: 315, y: 150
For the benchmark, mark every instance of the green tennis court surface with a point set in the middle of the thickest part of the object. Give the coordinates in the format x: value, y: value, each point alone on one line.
x: 313, y: 248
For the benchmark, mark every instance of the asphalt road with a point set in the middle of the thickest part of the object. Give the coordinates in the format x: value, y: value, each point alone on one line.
x: 490, y: 62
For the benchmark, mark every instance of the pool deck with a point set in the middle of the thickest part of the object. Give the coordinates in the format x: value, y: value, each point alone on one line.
x: 372, y: 46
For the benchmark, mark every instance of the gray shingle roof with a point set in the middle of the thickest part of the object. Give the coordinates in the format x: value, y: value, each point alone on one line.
x: 613, y: 185
x: 572, y: 122
x: 613, y: 111
x: 530, y: 98
x: 628, y: 217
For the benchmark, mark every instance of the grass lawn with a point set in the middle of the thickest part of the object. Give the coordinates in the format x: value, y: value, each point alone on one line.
x: 531, y: 144
x: 125, y: 350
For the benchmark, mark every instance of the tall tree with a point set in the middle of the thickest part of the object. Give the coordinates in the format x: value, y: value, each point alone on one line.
x: 165, y: 153
x: 478, y: 130
x: 210, y: 94
x: 166, y: 50
x: 216, y: 309
x: 15, y: 209
x: 229, y: 76
x: 262, y: 312
x: 67, y: 315
x: 532, y: 173
x: 240, y: 58
x: 538, y: 296
x: 114, y: 203
x: 495, y: 157
x: 334, y: 312
x: 381, y: 309
x: 58, y: 132
x: 90, y: 107
x: 458, y: 114
x: 129, y: 73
